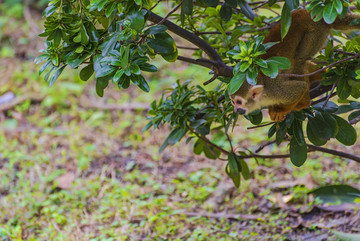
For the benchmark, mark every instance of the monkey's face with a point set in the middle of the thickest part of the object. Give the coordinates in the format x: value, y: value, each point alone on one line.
x: 244, y: 105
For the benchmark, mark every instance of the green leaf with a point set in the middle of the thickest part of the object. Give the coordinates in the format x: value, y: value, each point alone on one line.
x: 234, y: 169
x: 136, y: 19
x: 173, y: 138
x: 347, y: 133
x: 298, y: 133
x: 246, y: 9
x: 271, y: 2
x: 141, y: 82
x: 56, y: 75
x: 236, y: 83
x: 211, y: 3
x: 285, y: 20
x: 211, y: 152
x: 163, y: 43
x: 170, y: 57
x: 298, y: 153
x: 251, y: 76
x: 338, y: 6
x: 313, y: 138
x: 231, y: 3
x: 155, y: 30
x: 125, y: 57
x: 337, y: 193
x: 271, y: 71
x: 292, y: 4
x: 354, y: 115
x: 225, y: 12
x: 44, y: 66
x: 148, y: 67
x: 198, y: 147
x: 255, y: 117
x: 346, y: 236
x: 329, y: 14
x: 272, y: 130
x: 319, y: 127
x: 86, y: 72
x: 244, y: 169
x: 187, y: 7
x: 282, y: 62
x: 343, y: 89
x: 330, y: 107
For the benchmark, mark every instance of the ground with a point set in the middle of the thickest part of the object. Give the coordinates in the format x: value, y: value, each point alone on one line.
x: 74, y: 166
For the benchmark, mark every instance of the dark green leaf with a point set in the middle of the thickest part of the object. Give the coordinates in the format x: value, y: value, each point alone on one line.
x: 86, y: 72
x: 330, y: 107
x: 244, y: 169
x: 211, y: 3
x: 236, y: 83
x: 155, y: 30
x: 354, y: 115
x: 282, y: 62
x: 319, y: 127
x: 164, y: 46
x: 346, y: 134
x: 298, y: 133
x: 292, y: 4
x: 298, y: 153
x: 234, y: 170
x: 148, y: 67
x: 136, y: 19
x: 285, y: 20
x: 313, y: 138
x: 225, y: 12
x: 337, y: 193
x: 187, y: 7
x: 231, y: 3
x: 246, y: 9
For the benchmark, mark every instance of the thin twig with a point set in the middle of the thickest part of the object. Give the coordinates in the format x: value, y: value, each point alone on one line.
x: 206, y: 140
x: 255, y: 127
x: 155, y: 5
x: 344, y: 52
x: 171, y: 12
x: 210, y: 80
x: 335, y: 152
x: 219, y: 67
x: 322, y: 69
x: 329, y: 96
x: 264, y: 145
x: 202, y: 62
x: 259, y: 6
x: 323, y: 99
x: 189, y: 48
x: 354, y: 121
x: 223, y: 215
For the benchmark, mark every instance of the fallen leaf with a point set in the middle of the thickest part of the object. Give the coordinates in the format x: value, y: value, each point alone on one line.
x: 65, y: 181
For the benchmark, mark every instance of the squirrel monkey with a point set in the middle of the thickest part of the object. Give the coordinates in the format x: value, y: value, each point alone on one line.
x: 285, y: 94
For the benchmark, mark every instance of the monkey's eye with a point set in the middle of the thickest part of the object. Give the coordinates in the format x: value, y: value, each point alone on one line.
x: 238, y: 102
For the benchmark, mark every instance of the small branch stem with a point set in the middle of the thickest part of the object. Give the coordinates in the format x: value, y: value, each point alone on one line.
x: 335, y: 152
x: 322, y: 69
x: 171, y: 12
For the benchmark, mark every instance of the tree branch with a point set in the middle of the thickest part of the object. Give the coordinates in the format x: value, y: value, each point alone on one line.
x: 335, y: 152
x: 322, y: 69
x: 171, y: 12
x: 219, y: 67
x: 202, y: 62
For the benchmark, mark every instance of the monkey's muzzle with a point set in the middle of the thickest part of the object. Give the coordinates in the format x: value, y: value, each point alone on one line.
x: 240, y: 111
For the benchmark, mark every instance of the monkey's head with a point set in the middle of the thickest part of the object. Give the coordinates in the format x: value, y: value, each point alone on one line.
x: 247, y: 101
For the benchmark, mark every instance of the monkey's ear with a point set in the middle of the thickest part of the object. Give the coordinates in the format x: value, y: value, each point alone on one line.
x: 256, y: 91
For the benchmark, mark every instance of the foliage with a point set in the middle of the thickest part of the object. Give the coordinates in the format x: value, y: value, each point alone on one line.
x: 117, y: 40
